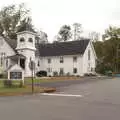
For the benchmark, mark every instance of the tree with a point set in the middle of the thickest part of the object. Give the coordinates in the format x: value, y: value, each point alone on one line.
x: 98, y: 45
x: 65, y: 32
x: 42, y: 37
x: 112, y: 33
x: 94, y: 36
x: 112, y: 36
x: 26, y: 24
x: 56, y: 39
x: 10, y: 17
x: 107, y: 50
x: 77, y: 30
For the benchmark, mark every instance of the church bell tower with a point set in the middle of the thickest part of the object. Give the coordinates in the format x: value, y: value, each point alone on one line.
x: 26, y: 47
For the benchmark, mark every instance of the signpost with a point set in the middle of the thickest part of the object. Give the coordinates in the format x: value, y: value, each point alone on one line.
x: 32, y: 67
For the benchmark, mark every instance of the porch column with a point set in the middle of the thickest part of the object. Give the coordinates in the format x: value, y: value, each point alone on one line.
x: 19, y: 61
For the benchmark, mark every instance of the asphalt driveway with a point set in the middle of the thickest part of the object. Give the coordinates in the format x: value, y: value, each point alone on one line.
x: 60, y: 85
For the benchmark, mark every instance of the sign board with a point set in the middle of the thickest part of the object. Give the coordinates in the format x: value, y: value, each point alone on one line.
x: 16, y: 75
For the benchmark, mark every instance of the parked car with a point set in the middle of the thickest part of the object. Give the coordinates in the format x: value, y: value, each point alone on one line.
x: 41, y: 74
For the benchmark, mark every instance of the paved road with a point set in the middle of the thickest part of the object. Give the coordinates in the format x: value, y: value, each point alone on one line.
x: 100, y: 101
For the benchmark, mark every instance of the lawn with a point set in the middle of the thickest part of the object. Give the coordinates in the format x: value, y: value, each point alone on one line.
x: 19, y: 91
x: 16, y: 90
x: 28, y: 88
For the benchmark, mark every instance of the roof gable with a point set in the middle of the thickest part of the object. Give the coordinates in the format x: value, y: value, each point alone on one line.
x: 15, y: 68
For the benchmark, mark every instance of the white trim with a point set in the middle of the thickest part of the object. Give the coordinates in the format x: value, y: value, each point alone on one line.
x: 62, y: 95
x: 93, y: 49
x: 26, y: 32
x: 26, y: 48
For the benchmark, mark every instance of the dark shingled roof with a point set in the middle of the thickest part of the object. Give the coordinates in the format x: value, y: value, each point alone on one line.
x: 26, y: 27
x: 11, y: 42
x: 62, y: 48
x: 17, y: 55
x: 56, y: 49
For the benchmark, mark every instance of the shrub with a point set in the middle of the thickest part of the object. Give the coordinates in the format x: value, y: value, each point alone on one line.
x: 91, y: 74
x: 5, y: 75
x: 8, y: 83
x: 86, y: 74
x: 77, y: 75
x: 61, y: 73
x: 13, y: 84
x: 1, y: 75
x: 55, y: 73
x: 68, y: 74
x: 21, y: 85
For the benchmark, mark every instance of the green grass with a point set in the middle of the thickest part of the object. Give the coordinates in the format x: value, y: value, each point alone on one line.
x: 17, y: 90
x: 44, y: 80
x: 28, y: 89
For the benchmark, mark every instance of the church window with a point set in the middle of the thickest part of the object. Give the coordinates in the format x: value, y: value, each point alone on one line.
x: 74, y: 70
x: 75, y: 59
x: 6, y: 63
x: 49, y: 70
x: 30, y: 59
x: 30, y: 40
x: 61, y: 59
x: 49, y: 60
x: 38, y: 63
x: 2, y: 58
x: 22, y: 39
x: 88, y: 54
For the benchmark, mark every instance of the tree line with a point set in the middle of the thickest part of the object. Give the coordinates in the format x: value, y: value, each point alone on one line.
x: 15, y: 18
x: 108, y: 51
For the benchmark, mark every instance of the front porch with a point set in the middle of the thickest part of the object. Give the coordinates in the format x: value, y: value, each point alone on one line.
x: 17, y: 59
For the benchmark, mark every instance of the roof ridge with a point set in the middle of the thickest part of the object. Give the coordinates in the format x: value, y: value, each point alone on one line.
x: 63, y: 48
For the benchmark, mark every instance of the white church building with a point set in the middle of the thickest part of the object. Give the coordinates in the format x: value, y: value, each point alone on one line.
x: 72, y: 57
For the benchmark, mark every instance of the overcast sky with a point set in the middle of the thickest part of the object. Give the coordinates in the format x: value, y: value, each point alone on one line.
x: 50, y: 15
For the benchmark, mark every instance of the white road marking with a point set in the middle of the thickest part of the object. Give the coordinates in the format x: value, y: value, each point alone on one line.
x: 62, y: 95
